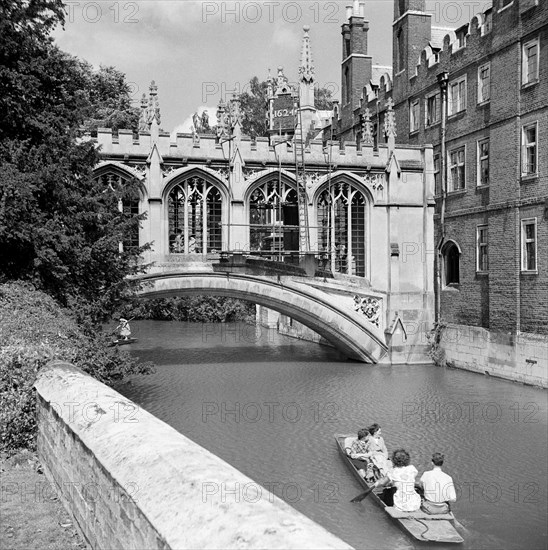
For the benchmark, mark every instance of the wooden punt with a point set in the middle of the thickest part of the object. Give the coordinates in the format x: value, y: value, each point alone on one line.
x: 123, y: 341
x: 420, y: 525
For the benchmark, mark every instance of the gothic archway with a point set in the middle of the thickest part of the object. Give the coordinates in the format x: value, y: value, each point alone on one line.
x: 343, y: 217
x: 195, y: 216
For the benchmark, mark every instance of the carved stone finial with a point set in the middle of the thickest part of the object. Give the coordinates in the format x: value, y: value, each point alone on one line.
x: 367, y: 128
x: 143, y: 118
x: 282, y: 84
x: 153, y: 104
x: 390, y: 120
x: 222, y: 121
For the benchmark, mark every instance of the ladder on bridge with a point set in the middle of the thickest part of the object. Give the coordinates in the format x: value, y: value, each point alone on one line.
x: 300, y: 173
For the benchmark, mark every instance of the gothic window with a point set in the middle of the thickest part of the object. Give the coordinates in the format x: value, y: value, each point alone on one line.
x: 195, y: 216
x: 126, y: 189
x: 348, y: 91
x: 274, y: 218
x: 342, y: 217
x: 451, y: 264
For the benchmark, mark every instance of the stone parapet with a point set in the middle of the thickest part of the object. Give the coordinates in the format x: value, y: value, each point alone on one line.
x: 187, y: 147
x: 131, y: 481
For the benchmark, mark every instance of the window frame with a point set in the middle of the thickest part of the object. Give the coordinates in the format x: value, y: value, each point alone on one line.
x: 450, y: 268
x: 414, y: 119
x: 437, y: 110
x: 437, y: 174
x: 482, y: 249
x: 481, y: 98
x: 525, y: 80
x: 524, y: 241
x: 450, y: 102
x: 450, y: 164
x: 481, y: 158
x: 525, y: 173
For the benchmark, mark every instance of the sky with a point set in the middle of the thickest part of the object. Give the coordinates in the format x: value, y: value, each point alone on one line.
x: 200, y: 51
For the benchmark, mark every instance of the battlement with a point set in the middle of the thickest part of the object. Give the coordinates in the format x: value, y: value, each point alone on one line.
x: 208, y: 149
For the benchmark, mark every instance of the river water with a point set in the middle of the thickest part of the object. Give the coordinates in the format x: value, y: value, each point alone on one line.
x: 270, y: 406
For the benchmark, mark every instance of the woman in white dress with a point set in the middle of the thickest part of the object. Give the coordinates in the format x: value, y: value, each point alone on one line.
x: 403, y: 477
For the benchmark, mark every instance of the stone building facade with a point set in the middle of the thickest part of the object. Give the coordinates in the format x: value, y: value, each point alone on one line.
x: 479, y: 95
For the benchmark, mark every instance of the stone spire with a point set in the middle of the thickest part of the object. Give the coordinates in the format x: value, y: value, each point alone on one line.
x: 367, y: 129
x: 306, y: 72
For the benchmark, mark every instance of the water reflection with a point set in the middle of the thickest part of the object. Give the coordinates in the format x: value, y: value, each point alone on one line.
x: 269, y: 405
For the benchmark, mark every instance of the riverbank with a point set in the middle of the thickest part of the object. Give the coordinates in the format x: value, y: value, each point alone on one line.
x: 31, y: 514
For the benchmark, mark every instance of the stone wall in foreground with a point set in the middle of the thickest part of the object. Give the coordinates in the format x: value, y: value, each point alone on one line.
x: 131, y: 481
x: 521, y: 357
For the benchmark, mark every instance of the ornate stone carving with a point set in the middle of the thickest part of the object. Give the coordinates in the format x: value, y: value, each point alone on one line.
x: 374, y: 180
x: 390, y: 119
x: 312, y: 178
x: 138, y: 169
x: 223, y: 173
x: 250, y: 173
x: 367, y: 129
x: 169, y: 171
x: 370, y: 307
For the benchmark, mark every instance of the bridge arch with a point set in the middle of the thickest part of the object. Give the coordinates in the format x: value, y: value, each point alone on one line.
x: 350, y: 333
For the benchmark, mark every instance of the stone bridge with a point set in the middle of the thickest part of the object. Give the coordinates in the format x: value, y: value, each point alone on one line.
x: 323, y: 305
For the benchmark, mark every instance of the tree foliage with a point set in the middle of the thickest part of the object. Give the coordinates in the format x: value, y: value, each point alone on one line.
x: 35, y: 330
x: 323, y: 99
x: 58, y: 227
x: 254, y: 105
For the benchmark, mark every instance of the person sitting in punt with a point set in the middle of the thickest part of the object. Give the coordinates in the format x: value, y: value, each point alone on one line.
x: 377, y: 448
x: 359, y: 451
x: 123, y: 329
x: 402, y: 476
x: 438, y: 487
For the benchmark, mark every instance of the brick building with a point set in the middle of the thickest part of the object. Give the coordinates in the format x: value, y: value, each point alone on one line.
x: 479, y: 94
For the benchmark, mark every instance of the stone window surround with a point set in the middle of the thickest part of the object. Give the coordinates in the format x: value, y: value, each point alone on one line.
x: 450, y: 101
x: 481, y: 98
x: 524, y: 76
x: 452, y: 272
x: 414, y: 119
x: 524, y: 241
x: 457, y: 165
x: 480, y: 158
x: 482, y: 245
x: 438, y: 109
x: 524, y: 149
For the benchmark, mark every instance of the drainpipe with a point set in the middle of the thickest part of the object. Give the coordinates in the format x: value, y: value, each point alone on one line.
x: 442, y: 81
